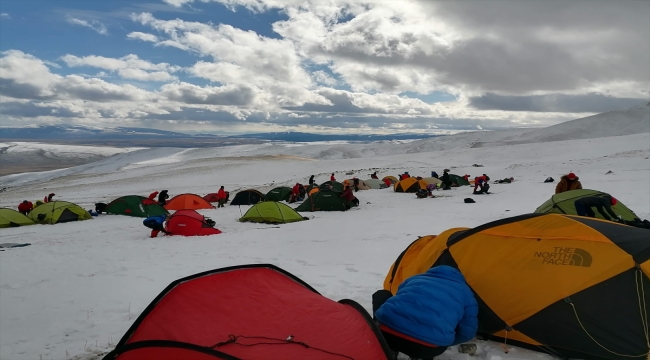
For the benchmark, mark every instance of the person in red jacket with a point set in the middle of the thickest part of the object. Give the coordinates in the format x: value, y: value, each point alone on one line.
x: 48, y: 198
x: 153, y: 195
x: 387, y: 182
x: 295, y: 193
x: 221, y: 197
x: 481, y: 182
x: 405, y: 175
x: 25, y: 207
x: 349, y: 198
x: 332, y: 178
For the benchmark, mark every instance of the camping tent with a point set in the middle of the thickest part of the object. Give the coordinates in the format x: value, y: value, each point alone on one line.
x: 271, y: 212
x: 335, y: 185
x: 410, y: 185
x: 249, y: 312
x: 247, y: 197
x: 432, y: 180
x: 134, y: 205
x: 323, y: 200
x: 362, y: 184
x: 56, y: 212
x: 189, y: 223
x: 458, y: 180
x: 567, y: 285
x: 392, y: 179
x: 563, y: 203
x: 282, y: 193
x: 187, y: 201
x: 375, y: 183
x: 12, y: 218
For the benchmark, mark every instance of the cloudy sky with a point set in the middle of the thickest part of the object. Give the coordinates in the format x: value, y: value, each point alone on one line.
x: 320, y: 65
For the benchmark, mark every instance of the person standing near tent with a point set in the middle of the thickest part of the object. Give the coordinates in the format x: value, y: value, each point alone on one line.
x: 434, y: 174
x: 405, y: 175
x: 153, y: 195
x: 332, y: 178
x: 355, y: 182
x: 567, y: 183
x: 429, y: 312
x: 583, y: 206
x: 295, y: 193
x: 311, y: 180
x: 349, y: 197
x: 25, y: 207
x: 446, y: 180
x: 162, y: 198
x: 156, y: 224
x: 387, y: 182
x: 48, y: 198
x: 221, y: 197
x: 374, y: 175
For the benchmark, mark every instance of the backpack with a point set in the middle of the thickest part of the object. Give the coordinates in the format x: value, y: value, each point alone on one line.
x: 469, y: 201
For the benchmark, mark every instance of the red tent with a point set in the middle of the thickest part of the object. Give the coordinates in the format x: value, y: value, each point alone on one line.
x: 189, y: 223
x: 212, y: 197
x: 250, y: 312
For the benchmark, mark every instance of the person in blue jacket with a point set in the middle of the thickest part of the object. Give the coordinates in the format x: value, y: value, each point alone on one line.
x: 156, y: 224
x: 429, y: 312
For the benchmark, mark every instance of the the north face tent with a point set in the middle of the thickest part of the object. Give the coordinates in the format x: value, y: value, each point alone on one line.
x: 189, y: 223
x: 335, y: 185
x: 323, y: 200
x: 12, y: 218
x: 458, y: 180
x: 392, y: 179
x: 134, y: 205
x: 410, y: 185
x: 282, y: 193
x: 247, y: 197
x: 187, y: 202
x: 566, y: 285
x: 57, y: 212
x: 251, y: 312
x: 271, y: 212
x: 563, y: 203
x: 374, y: 183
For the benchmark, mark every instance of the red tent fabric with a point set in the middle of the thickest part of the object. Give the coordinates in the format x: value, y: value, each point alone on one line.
x: 211, y: 197
x: 250, y: 312
x: 189, y: 223
x: 187, y: 201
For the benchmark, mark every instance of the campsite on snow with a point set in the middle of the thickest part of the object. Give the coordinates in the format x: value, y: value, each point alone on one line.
x: 264, y: 267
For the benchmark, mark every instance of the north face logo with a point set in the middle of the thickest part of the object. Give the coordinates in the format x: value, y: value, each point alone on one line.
x: 565, y: 256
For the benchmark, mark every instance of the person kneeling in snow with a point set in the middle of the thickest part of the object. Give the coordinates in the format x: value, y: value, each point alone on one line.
x: 349, y: 198
x: 156, y: 224
x: 429, y: 312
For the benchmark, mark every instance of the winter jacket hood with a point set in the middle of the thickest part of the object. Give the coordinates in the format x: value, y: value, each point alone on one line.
x: 436, y: 307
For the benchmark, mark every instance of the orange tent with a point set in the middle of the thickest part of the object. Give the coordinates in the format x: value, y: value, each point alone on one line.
x: 188, y: 201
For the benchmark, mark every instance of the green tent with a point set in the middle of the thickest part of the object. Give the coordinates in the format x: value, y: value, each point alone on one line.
x: 324, y: 200
x: 562, y: 203
x: 12, y: 218
x: 134, y: 205
x: 271, y: 212
x: 279, y: 194
x: 459, y: 180
x: 56, y: 212
x: 335, y: 185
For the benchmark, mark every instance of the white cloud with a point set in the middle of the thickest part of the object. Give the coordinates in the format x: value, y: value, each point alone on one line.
x: 5, y: 16
x: 128, y: 67
x: 136, y: 35
x: 93, y: 24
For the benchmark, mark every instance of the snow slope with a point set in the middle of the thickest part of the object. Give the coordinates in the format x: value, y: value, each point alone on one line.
x: 79, y: 286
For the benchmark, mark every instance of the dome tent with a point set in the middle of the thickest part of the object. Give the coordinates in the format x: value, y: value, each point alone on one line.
x: 56, y: 212
x: 210, y: 315
x: 12, y: 218
x: 323, y: 200
x: 566, y: 285
x: 189, y: 223
x: 332, y: 185
x: 247, y: 197
x: 271, y: 212
x: 391, y: 178
x: 188, y: 202
x: 134, y: 205
x: 282, y: 193
x: 375, y: 183
x: 563, y: 203
x: 410, y: 185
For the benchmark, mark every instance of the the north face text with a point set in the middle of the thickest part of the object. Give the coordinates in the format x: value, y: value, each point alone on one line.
x: 565, y: 256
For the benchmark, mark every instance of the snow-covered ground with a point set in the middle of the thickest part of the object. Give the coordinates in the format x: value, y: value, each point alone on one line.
x: 79, y: 286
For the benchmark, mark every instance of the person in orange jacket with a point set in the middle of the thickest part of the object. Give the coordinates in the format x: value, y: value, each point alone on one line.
x: 221, y: 197
x: 568, y: 182
x: 332, y: 178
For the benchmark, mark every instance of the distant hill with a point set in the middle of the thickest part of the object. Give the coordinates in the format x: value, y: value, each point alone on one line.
x: 292, y: 136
